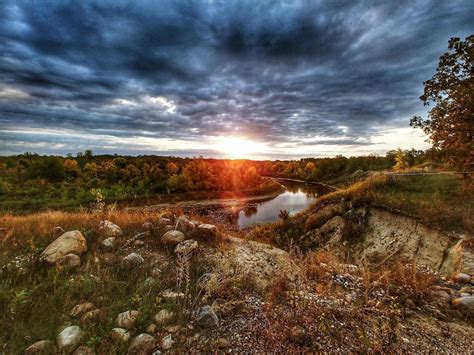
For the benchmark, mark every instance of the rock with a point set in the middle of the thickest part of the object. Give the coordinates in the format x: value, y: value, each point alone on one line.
x: 163, y: 317
x: 186, y: 247
x: 91, y: 316
x: 128, y: 319
x: 152, y: 328
x: 57, y: 231
x: 465, y: 304
x: 223, y: 343
x: 169, y: 295
x: 173, y: 237
x: 110, y: 229
x: 40, y: 347
x: 163, y: 221
x: 207, y: 318
x: 184, y: 225
x: 133, y: 260
x: 298, y: 334
x: 147, y: 226
x: 173, y: 328
x: 69, y: 339
x: 69, y: 243
x: 142, y: 344
x: 139, y: 243
x: 108, y: 243
x: 461, y: 277
x: 81, y: 309
x: 69, y: 261
x: 167, y: 342
x: 207, y: 231
x: 84, y: 350
x: 120, y: 335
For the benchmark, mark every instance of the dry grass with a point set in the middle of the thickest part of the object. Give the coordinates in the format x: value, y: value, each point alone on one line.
x: 36, y: 229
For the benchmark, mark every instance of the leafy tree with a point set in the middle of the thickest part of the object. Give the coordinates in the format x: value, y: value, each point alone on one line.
x: 450, y: 123
x: 49, y: 168
x: 401, y: 160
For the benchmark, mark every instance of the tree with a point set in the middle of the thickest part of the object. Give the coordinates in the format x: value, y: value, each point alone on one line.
x: 401, y: 160
x: 450, y: 123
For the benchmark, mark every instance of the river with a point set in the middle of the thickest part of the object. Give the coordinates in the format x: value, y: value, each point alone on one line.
x: 297, y: 197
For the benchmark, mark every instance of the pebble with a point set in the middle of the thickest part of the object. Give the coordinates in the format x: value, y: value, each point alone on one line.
x: 128, y: 319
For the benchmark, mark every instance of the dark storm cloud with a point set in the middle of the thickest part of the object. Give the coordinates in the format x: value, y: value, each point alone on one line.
x: 279, y: 72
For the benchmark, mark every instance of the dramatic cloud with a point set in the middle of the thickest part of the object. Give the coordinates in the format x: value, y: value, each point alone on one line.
x: 298, y: 78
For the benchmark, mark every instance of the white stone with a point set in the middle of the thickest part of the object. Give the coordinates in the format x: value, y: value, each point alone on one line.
x: 71, y: 242
x: 110, y: 229
x: 167, y: 342
x: 69, y: 339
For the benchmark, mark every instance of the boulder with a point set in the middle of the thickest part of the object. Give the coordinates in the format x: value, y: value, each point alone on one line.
x: 120, y: 335
x: 128, y: 319
x: 69, y: 339
x: 71, y: 242
x: 108, y: 243
x: 207, y: 231
x: 186, y: 247
x: 83, y: 350
x: 133, y: 260
x: 69, y: 261
x: 40, y: 347
x: 465, y: 304
x: 110, y: 229
x: 163, y: 317
x: 207, y: 318
x: 173, y: 237
x: 142, y: 344
x: 81, y: 309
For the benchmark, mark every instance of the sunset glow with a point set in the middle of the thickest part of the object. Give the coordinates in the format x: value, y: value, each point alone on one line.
x: 237, y: 147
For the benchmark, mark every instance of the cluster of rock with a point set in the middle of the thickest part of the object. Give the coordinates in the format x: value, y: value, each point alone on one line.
x: 172, y: 231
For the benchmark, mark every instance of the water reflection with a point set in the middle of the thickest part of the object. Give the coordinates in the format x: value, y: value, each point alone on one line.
x: 297, y: 197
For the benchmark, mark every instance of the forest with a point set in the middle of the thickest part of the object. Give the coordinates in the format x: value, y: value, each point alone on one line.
x: 29, y: 181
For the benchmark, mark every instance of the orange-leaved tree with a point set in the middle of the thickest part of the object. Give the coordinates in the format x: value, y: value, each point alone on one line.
x: 450, y: 123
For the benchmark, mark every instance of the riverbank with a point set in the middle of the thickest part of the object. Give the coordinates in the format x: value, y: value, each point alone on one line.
x: 267, y: 189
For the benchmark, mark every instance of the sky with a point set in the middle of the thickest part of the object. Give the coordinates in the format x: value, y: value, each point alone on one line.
x: 254, y: 79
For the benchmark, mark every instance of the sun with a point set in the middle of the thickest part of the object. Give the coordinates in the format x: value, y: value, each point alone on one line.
x: 238, y: 147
